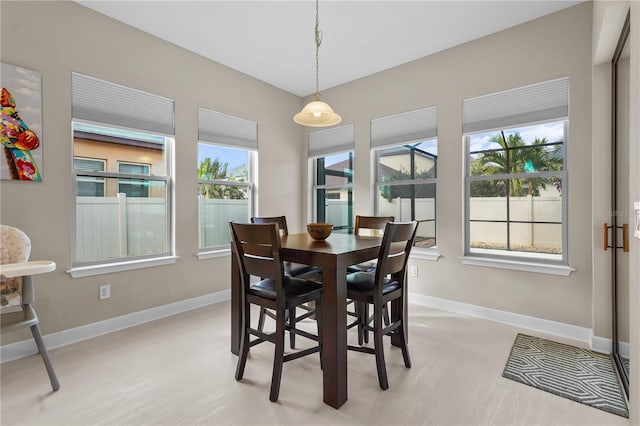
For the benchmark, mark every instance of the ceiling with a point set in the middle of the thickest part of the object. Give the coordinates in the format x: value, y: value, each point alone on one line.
x: 274, y: 41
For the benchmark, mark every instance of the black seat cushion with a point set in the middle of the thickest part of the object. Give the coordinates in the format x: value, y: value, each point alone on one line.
x: 365, y: 281
x: 293, y: 288
x: 295, y: 269
x: 362, y: 267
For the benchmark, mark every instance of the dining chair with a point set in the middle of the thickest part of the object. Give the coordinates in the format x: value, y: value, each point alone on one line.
x: 291, y: 269
x: 17, y: 292
x: 257, y: 248
x: 386, y: 284
x: 373, y: 226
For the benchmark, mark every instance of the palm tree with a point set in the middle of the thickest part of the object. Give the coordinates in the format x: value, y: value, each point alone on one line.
x: 216, y: 170
x: 515, y: 156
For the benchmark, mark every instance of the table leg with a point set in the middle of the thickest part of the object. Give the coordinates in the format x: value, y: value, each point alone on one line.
x: 236, y: 304
x: 334, y: 336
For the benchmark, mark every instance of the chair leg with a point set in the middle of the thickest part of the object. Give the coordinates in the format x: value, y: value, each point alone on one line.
x: 403, y: 337
x: 244, y: 342
x: 379, y: 348
x: 357, y: 308
x: 35, y: 331
x: 278, y: 357
x: 365, y: 321
x: 292, y: 331
x: 263, y: 314
x: 385, y: 311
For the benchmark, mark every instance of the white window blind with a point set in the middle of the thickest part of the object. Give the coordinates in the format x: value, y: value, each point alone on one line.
x: 104, y: 102
x: 539, y: 102
x: 336, y: 139
x: 406, y: 127
x: 227, y: 130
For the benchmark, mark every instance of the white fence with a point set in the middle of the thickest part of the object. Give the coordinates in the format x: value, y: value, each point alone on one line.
x: 526, y: 209
x: 214, y: 219
x: 113, y: 227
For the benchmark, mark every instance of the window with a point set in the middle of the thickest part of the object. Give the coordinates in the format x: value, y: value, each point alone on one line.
x: 405, y: 163
x: 134, y: 187
x: 331, y: 162
x: 516, y: 180
x: 226, y: 169
x: 89, y: 186
x: 122, y: 145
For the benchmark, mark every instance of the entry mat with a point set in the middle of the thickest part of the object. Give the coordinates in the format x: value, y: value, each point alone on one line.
x: 578, y: 374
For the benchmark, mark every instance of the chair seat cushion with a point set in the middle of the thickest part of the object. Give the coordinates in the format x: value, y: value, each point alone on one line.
x: 365, y: 281
x: 294, y: 269
x: 293, y: 288
x: 363, y: 267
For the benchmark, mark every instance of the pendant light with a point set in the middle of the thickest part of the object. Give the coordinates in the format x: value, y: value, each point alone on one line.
x: 317, y: 113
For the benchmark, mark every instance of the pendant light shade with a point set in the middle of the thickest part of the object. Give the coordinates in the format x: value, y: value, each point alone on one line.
x: 317, y: 113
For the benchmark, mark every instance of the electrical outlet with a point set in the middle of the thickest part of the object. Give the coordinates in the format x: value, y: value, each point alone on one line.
x: 105, y: 291
x: 413, y: 271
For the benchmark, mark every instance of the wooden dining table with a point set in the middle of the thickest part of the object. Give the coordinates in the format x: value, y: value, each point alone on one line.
x: 333, y: 255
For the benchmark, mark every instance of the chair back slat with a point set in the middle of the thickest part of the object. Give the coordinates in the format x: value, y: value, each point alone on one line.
x: 371, y: 223
x: 395, y: 249
x: 258, y: 250
x: 281, y: 221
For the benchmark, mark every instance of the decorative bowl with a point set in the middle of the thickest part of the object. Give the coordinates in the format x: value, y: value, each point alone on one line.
x: 319, y: 231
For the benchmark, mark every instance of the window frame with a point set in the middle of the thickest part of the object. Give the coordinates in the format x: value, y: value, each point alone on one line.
x: 96, y: 267
x: 349, y: 186
x: 519, y: 259
x: 97, y: 180
x: 250, y: 185
x: 131, y: 163
x: 425, y: 181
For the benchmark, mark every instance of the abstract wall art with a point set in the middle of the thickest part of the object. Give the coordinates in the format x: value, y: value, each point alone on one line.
x: 21, y: 124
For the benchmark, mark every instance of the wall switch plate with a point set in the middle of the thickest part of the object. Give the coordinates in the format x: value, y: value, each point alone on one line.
x: 105, y: 291
x: 413, y: 271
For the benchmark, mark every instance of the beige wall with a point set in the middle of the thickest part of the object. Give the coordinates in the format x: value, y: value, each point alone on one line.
x: 554, y: 46
x: 56, y: 42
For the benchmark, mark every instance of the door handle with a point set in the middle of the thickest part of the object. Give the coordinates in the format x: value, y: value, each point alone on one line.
x: 625, y: 237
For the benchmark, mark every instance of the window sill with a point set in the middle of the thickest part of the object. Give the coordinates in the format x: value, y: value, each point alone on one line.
x: 88, y: 271
x: 425, y: 254
x: 518, y: 265
x: 203, y: 255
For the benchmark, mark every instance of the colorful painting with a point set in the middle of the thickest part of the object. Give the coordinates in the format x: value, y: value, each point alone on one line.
x: 21, y: 130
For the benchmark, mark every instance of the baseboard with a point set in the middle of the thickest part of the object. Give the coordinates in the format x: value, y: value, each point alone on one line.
x: 602, y: 344
x: 568, y: 331
x: 24, y: 348
x: 61, y: 338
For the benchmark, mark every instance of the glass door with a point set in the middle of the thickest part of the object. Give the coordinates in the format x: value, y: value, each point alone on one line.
x: 620, y: 203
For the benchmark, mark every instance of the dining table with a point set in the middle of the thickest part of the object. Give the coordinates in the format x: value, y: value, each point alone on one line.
x: 333, y: 255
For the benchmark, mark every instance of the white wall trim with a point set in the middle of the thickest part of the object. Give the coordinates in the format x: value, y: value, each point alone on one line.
x: 27, y: 347
x: 602, y: 344
x: 61, y: 338
x: 518, y: 265
x: 128, y: 265
x: 569, y: 331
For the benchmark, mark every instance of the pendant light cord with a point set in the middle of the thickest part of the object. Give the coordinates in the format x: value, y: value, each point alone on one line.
x: 318, y: 42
